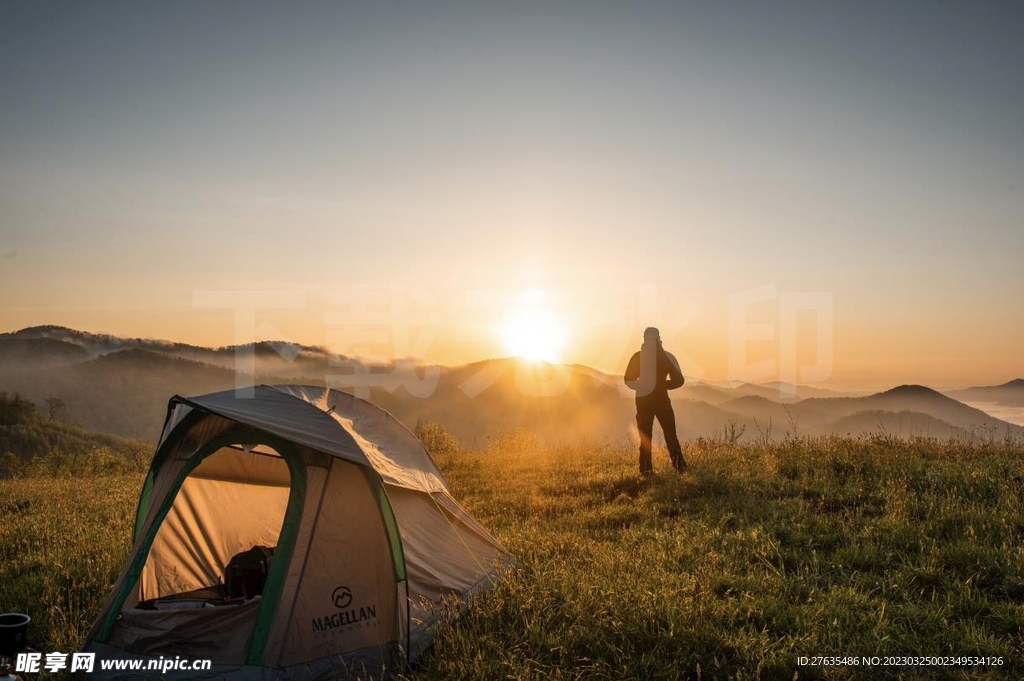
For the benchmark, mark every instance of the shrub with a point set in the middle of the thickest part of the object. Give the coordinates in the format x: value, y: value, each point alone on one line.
x: 10, y: 465
x: 438, y: 440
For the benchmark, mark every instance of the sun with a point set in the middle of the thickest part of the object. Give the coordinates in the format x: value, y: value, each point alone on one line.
x: 535, y: 335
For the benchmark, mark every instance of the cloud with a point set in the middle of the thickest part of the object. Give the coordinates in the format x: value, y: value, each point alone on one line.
x: 8, y: 255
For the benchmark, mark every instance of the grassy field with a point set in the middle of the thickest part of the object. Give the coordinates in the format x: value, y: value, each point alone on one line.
x: 756, y: 557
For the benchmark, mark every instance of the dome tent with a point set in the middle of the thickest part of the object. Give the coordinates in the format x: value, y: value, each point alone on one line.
x: 359, y: 545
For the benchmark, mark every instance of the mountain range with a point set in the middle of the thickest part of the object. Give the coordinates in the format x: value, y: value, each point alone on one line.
x: 121, y: 386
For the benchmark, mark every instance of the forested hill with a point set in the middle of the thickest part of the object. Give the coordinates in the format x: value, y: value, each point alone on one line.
x: 31, y: 441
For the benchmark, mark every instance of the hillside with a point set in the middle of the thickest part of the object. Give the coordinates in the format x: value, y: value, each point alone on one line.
x: 478, y: 401
x: 124, y: 393
x: 33, y: 353
x: 899, y: 424
x: 28, y: 438
x: 121, y: 386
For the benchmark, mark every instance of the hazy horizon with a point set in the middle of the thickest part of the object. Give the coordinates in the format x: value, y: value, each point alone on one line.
x: 823, y: 195
x: 284, y: 358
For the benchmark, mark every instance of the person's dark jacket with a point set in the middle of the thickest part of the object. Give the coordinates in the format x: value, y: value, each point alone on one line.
x: 667, y: 375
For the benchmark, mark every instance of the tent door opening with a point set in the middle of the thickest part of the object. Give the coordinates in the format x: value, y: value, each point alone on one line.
x: 212, y: 552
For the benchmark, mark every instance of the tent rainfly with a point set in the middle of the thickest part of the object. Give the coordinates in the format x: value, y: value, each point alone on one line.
x: 290, y: 532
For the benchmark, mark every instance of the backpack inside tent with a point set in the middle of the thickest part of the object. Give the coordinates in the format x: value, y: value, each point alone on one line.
x: 290, y: 532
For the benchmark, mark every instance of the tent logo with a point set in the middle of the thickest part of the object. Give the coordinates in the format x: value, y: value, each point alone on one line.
x: 349, y: 617
x: 342, y: 597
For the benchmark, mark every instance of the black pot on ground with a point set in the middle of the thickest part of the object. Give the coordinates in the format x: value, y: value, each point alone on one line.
x: 13, y: 629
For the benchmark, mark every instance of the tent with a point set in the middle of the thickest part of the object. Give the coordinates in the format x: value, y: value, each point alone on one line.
x: 290, y: 532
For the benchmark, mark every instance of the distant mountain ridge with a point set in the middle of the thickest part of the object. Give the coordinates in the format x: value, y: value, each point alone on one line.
x: 1009, y: 394
x: 121, y: 386
x: 102, y: 343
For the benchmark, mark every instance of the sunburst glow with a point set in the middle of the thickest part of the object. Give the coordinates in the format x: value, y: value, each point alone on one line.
x: 534, y: 334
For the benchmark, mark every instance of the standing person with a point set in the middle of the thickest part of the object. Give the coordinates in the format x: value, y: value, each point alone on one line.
x: 652, y: 372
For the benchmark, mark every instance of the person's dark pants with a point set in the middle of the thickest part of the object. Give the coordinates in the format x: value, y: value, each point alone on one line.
x: 646, y: 412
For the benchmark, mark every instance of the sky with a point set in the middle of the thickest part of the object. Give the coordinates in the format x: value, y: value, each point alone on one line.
x: 822, y: 193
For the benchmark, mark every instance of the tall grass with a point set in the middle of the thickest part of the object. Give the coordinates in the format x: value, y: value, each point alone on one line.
x: 759, y: 555
x: 62, y: 545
